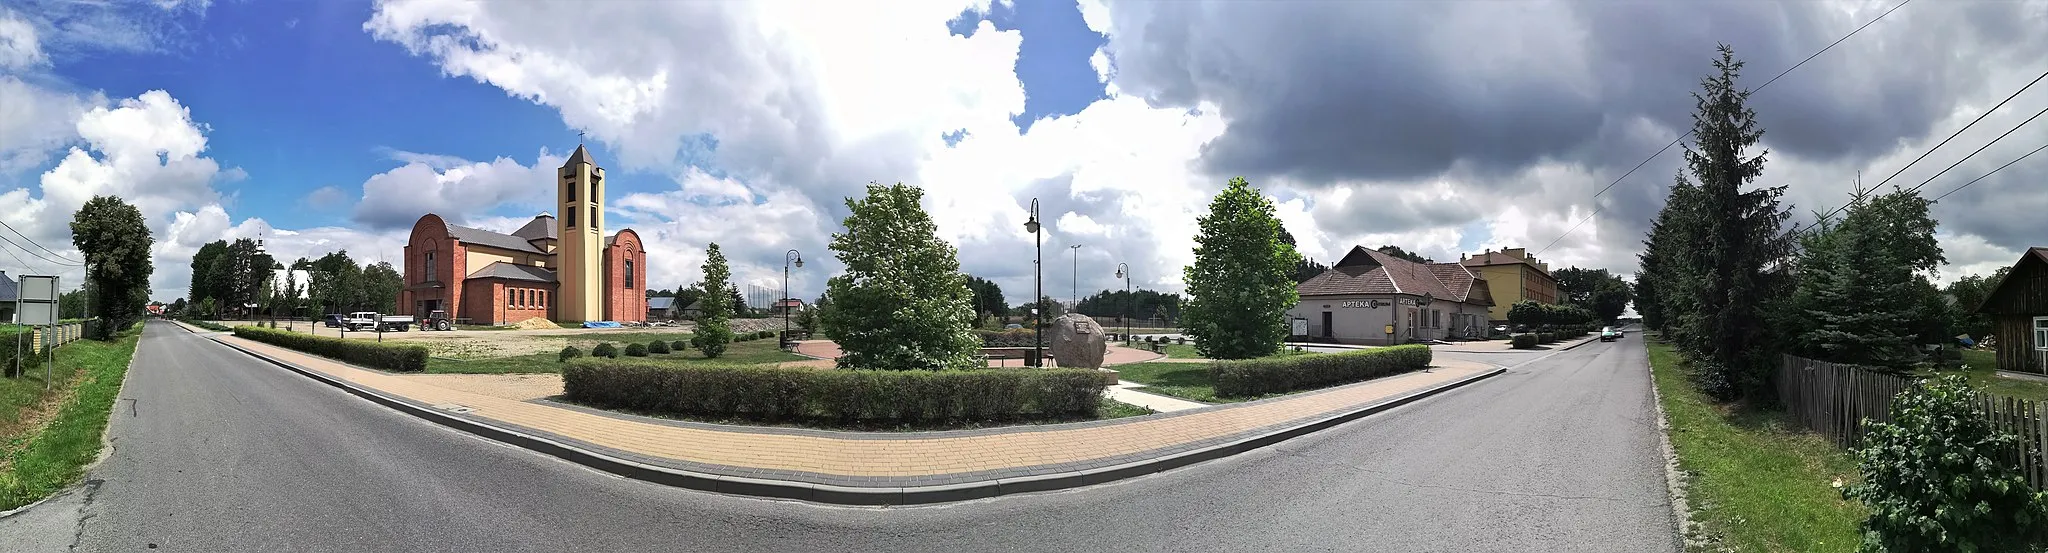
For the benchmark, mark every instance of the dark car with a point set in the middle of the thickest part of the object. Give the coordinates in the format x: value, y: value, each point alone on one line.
x: 333, y: 320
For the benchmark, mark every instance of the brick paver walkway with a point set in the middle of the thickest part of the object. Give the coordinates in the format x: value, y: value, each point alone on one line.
x: 873, y: 459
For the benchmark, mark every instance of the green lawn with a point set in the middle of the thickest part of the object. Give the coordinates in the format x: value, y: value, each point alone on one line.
x: 1981, y: 368
x: 1756, y: 483
x: 749, y: 352
x: 1181, y: 380
x: 37, y: 462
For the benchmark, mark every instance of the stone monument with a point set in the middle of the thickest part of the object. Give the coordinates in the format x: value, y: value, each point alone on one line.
x: 1078, y: 342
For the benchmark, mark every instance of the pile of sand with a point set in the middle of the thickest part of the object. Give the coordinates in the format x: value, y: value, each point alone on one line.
x: 536, y: 323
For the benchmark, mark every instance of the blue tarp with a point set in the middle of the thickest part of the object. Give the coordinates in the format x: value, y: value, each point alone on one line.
x: 600, y: 324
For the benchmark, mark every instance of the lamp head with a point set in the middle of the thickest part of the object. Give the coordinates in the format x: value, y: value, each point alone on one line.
x: 799, y: 261
x: 1119, y: 272
x: 1031, y: 226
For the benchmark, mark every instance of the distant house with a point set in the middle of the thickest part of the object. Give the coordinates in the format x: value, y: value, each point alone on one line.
x: 662, y: 308
x: 692, y: 310
x: 1370, y: 297
x: 1512, y: 276
x: 2018, y: 306
x: 789, y: 305
x: 9, y: 292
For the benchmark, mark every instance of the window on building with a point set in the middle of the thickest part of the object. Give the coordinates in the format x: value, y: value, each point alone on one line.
x: 2041, y: 333
x: 629, y: 273
x: 569, y: 185
x: 432, y: 274
x: 1436, y: 319
x: 569, y: 218
x: 593, y: 215
x: 525, y: 297
x: 543, y: 299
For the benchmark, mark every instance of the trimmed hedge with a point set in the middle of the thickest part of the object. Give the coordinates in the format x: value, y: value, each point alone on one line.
x: 679, y: 346
x: 1523, y: 341
x: 389, y: 357
x: 1253, y: 377
x: 605, y: 349
x: 208, y: 326
x: 1012, y: 338
x: 657, y: 347
x: 568, y: 352
x: 1546, y: 338
x: 770, y: 393
x: 636, y: 349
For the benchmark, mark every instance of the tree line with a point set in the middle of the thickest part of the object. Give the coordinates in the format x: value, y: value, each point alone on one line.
x: 237, y: 279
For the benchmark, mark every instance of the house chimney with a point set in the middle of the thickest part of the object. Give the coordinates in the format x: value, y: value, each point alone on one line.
x: 1461, y: 257
x: 1514, y: 252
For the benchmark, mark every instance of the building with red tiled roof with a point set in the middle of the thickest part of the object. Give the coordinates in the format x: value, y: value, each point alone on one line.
x: 1374, y: 298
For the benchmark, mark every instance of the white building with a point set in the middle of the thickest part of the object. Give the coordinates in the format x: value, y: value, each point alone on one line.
x: 1374, y: 298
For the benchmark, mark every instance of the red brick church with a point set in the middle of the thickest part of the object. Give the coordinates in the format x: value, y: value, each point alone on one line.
x: 563, y: 269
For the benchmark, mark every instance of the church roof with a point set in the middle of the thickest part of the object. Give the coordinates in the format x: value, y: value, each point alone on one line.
x: 492, y: 239
x: 541, y: 227
x: 580, y: 156
x: 509, y: 271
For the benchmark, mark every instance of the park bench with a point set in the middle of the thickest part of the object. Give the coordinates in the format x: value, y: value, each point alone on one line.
x: 1006, y: 353
x: 790, y: 337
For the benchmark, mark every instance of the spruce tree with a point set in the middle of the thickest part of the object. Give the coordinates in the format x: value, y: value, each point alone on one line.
x: 714, y: 327
x: 1739, y: 252
x: 1859, y: 297
x: 1241, y: 284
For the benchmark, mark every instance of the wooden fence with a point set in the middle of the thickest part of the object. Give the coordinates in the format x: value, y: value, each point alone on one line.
x: 1836, y: 400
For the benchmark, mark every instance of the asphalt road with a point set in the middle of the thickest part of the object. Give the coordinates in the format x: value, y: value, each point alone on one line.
x: 225, y: 453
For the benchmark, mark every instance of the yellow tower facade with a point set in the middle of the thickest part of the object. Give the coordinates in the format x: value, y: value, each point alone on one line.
x: 579, y: 255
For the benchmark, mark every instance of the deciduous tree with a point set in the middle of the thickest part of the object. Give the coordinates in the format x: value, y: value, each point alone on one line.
x: 902, y: 302
x: 714, y: 311
x: 115, y: 242
x: 1241, y: 284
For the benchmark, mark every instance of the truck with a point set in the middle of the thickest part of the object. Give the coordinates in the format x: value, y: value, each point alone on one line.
x: 364, y: 321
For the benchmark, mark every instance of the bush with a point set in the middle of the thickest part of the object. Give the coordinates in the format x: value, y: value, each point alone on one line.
x: 1938, y: 478
x: 770, y: 393
x: 679, y: 346
x: 390, y: 357
x: 1252, y: 377
x: 636, y: 349
x: 1546, y: 338
x: 569, y: 352
x: 209, y: 326
x: 658, y: 347
x: 606, y: 350
x: 1523, y: 341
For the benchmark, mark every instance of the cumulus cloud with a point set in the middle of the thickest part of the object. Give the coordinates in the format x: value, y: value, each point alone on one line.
x: 455, y: 188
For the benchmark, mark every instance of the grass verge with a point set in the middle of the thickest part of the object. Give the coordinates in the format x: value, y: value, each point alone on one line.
x: 751, y: 352
x: 1756, y: 483
x: 44, y: 460
x: 1182, y: 380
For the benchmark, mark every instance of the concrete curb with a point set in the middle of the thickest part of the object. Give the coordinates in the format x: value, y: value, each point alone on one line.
x: 1674, y: 477
x: 845, y: 495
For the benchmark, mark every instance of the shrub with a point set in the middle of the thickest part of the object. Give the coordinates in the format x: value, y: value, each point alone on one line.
x: 606, y: 350
x: 1252, y: 377
x: 679, y: 346
x: 1546, y: 338
x: 1938, y: 478
x: 1014, y: 338
x: 569, y: 352
x: 636, y: 349
x: 1524, y: 341
x: 657, y: 346
x: 773, y: 393
x: 390, y: 357
x: 209, y: 326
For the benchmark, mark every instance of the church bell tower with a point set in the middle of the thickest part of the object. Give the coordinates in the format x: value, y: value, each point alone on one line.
x: 580, y: 196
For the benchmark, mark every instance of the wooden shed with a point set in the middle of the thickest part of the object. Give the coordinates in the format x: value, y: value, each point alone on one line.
x: 2018, y: 307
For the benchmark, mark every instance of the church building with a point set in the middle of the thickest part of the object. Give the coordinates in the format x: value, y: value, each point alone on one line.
x: 564, y: 269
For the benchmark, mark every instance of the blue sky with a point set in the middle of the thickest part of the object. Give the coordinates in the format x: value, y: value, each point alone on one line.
x: 299, y: 96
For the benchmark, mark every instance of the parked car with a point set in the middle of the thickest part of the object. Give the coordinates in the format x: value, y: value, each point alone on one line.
x: 334, y: 320
x: 1609, y: 334
x: 1012, y: 326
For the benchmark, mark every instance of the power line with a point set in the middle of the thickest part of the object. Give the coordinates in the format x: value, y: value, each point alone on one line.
x: 1980, y: 149
x: 1993, y: 172
x: 1923, y: 155
x: 1682, y: 137
x: 33, y: 241
x: 3, y: 238
x: 25, y: 269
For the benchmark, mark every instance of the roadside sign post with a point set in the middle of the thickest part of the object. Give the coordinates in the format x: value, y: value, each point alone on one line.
x: 37, y: 305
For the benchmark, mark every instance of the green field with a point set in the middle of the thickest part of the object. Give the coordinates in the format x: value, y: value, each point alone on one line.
x: 1755, y: 482
x: 1980, y: 366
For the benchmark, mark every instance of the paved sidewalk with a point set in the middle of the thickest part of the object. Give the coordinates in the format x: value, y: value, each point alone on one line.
x: 872, y: 460
x: 1505, y: 346
x: 1123, y: 392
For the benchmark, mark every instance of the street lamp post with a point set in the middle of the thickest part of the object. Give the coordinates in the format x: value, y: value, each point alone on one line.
x: 1077, y: 275
x: 1123, y: 271
x: 787, y: 258
x: 1037, y: 284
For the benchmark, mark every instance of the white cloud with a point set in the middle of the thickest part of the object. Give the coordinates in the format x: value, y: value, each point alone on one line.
x: 19, y: 48
x: 325, y: 198
x: 454, y: 188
